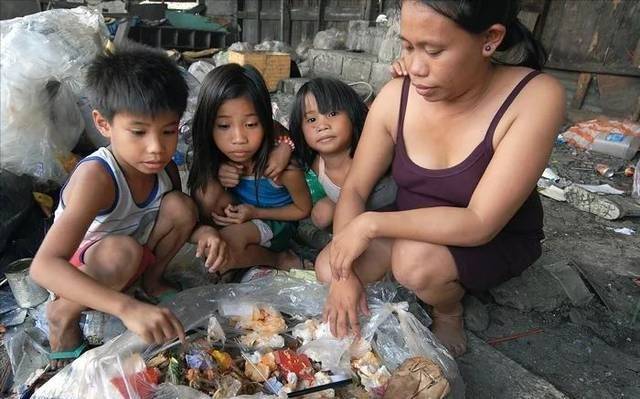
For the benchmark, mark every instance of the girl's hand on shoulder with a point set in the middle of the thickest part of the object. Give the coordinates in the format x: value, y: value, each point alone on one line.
x: 278, y: 161
x: 398, y: 68
x: 229, y: 174
x: 213, y: 248
x: 348, y: 245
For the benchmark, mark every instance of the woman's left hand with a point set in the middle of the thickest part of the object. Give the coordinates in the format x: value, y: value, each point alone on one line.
x: 348, y: 245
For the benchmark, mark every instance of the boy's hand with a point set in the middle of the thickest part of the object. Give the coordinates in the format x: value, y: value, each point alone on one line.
x: 229, y: 174
x: 235, y: 214
x: 213, y: 248
x: 278, y: 161
x: 153, y: 324
x: 398, y: 68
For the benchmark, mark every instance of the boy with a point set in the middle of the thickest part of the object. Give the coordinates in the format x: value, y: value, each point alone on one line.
x: 121, y: 213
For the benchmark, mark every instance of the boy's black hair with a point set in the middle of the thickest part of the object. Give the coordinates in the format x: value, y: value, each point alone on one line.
x: 476, y: 16
x: 331, y: 95
x: 227, y: 82
x: 138, y: 80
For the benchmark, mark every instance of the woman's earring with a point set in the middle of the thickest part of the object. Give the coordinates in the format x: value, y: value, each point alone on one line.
x: 487, y: 48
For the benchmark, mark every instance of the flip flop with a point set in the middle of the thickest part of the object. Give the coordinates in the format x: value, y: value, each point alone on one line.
x: 69, y: 355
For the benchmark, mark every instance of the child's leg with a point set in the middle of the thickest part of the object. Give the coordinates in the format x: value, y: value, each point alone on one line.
x: 243, y: 242
x: 112, y: 261
x: 322, y: 213
x: 176, y: 220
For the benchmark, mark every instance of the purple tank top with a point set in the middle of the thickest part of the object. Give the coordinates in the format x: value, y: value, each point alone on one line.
x: 424, y: 188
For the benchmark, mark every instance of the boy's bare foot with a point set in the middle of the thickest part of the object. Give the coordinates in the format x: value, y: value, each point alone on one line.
x: 289, y: 260
x: 449, y: 328
x: 64, y: 332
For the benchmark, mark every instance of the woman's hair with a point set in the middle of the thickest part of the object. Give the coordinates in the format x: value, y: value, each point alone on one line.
x: 331, y: 95
x: 227, y: 82
x: 476, y: 16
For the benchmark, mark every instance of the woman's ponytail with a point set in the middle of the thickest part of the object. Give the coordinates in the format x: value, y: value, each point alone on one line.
x: 518, y: 37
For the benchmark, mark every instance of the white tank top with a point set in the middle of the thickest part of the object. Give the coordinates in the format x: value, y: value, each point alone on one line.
x: 330, y: 188
x: 125, y: 216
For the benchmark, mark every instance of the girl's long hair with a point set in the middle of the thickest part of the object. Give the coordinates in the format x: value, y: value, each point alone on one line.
x: 227, y: 82
x: 331, y: 95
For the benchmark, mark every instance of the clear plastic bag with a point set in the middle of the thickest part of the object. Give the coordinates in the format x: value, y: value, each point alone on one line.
x: 395, y: 333
x: 42, y: 62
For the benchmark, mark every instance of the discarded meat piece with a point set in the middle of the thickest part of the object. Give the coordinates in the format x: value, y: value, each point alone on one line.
x: 417, y: 378
x: 256, y: 372
x: 290, y: 362
x: 264, y: 319
x: 193, y: 378
x: 142, y: 382
x: 373, y: 375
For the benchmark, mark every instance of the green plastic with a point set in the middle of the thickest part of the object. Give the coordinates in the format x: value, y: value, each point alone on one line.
x: 72, y: 354
x: 185, y: 20
x: 317, y: 192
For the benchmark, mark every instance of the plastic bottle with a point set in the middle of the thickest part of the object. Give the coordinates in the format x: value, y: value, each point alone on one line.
x: 616, y: 144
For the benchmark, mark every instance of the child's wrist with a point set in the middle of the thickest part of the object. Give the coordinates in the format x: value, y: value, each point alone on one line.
x: 284, y: 139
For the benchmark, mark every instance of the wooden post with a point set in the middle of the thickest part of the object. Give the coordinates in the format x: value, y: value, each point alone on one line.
x: 259, y: 21
x: 236, y: 20
x: 581, y: 90
x: 368, y: 11
x: 285, y: 21
x: 320, y: 18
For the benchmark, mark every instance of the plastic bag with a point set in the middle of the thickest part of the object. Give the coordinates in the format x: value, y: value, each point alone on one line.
x: 42, y: 62
x: 395, y: 333
x: 330, y: 39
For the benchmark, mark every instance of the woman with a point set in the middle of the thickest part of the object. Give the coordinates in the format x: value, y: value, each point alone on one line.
x: 467, y: 139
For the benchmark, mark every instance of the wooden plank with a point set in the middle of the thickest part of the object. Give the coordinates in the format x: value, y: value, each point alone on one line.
x: 583, y: 85
x: 367, y: 12
x: 618, y: 94
x: 320, y: 16
x: 592, y: 67
x: 285, y: 21
x: 537, y: 32
x: 259, y: 21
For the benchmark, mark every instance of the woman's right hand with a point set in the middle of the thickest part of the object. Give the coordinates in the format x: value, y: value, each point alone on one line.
x: 154, y: 324
x: 345, y: 300
x: 398, y: 68
x: 229, y: 174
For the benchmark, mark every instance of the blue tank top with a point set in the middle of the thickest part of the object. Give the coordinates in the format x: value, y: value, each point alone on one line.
x: 265, y: 194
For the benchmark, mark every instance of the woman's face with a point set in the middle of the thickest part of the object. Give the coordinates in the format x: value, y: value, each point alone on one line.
x: 442, y: 59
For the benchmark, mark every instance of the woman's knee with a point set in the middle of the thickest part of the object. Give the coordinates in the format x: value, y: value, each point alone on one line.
x: 322, y: 267
x: 419, y: 265
x: 180, y: 209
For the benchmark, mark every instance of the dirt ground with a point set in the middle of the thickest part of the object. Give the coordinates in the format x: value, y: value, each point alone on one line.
x: 593, y: 351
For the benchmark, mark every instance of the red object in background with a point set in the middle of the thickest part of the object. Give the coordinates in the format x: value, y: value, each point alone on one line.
x: 143, y: 383
x: 289, y: 361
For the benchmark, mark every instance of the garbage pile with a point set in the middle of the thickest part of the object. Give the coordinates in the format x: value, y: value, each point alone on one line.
x: 264, y: 339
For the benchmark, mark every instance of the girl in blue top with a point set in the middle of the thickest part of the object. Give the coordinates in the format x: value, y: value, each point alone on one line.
x: 233, y: 122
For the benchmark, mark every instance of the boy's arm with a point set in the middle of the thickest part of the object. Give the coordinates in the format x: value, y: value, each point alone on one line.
x: 293, y: 180
x: 89, y: 190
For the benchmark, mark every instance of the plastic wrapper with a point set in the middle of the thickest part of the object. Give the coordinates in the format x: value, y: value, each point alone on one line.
x: 583, y: 134
x: 184, y: 150
x: 27, y: 353
x: 330, y: 39
x: 395, y: 333
x: 43, y: 58
x: 200, y: 69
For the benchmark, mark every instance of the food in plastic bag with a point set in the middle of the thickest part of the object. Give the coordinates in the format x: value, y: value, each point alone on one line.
x: 43, y: 59
x: 417, y: 378
x: 214, y: 331
x: 255, y: 340
x: 264, y: 320
x: 393, y: 333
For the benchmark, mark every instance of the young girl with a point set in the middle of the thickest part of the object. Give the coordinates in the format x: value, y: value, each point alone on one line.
x: 326, y: 122
x: 233, y: 123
